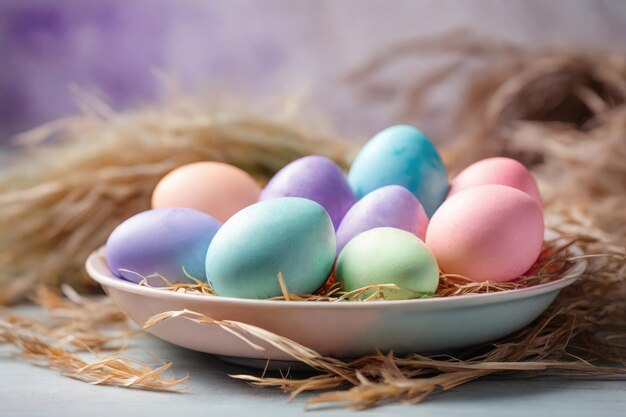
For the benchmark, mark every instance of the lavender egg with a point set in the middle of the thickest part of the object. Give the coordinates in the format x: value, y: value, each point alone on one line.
x: 315, y: 178
x: 389, y: 206
x: 167, y: 242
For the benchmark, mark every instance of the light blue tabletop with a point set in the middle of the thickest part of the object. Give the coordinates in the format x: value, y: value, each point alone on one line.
x: 28, y: 391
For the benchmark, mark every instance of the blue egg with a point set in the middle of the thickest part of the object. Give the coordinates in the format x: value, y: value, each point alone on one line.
x: 288, y: 235
x: 401, y: 155
x: 170, y: 242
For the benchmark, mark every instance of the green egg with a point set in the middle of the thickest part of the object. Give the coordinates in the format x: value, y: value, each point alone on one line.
x: 291, y: 236
x: 386, y: 255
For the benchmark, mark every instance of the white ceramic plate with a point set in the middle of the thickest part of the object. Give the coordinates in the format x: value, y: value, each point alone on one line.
x: 341, y: 330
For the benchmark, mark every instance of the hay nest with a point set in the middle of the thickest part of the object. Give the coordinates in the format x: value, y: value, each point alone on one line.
x: 78, y: 178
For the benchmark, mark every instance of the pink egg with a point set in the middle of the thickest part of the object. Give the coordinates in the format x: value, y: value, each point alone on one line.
x: 487, y: 232
x: 217, y: 189
x: 498, y: 170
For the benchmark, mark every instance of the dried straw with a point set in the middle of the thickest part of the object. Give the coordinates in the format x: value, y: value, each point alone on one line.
x: 80, y: 327
x: 551, y: 265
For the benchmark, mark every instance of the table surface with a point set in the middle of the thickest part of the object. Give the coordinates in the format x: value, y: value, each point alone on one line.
x: 29, y: 391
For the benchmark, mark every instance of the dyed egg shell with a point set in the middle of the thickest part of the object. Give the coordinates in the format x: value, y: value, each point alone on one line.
x: 316, y: 178
x: 217, y: 189
x: 401, y: 155
x: 165, y: 241
x: 389, y: 206
x: 498, y: 170
x: 487, y: 232
x: 387, y: 255
x: 293, y: 236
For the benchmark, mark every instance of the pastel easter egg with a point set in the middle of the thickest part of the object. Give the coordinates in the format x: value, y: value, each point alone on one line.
x: 389, y: 206
x: 169, y: 242
x: 387, y: 255
x: 498, y: 170
x: 217, y: 189
x: 316, y: 178
x: 289, y: 235
x: 488, y: 232
x: 401, y: 155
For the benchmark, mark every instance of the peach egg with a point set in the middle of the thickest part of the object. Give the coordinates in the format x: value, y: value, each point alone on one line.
x: 498, y: 170
x: 217, y: 189
x: 487, y: 232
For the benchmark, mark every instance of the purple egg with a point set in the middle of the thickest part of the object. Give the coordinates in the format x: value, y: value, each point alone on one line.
x: 389, y: 206
x: 315, y: 178
x: 167, y: 242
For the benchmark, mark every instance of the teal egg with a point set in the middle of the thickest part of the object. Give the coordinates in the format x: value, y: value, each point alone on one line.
x: 401, y: 155
x: 386, y: 255
x: 290, y: 235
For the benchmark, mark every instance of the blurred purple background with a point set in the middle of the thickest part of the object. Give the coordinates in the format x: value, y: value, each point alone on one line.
x: 256, y: 48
